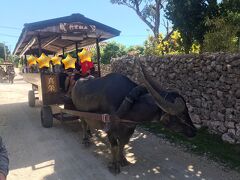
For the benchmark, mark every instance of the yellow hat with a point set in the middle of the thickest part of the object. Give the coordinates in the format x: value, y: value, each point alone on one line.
x: 69, y: 62
x: 43, y: 61
x: 32, y: 60
x: 56, y: 60
x: 85, y: 55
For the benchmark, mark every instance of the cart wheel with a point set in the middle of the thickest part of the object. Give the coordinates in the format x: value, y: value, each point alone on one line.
x: 31, y: 98
x: 46, y: 117
x: 34, y: 87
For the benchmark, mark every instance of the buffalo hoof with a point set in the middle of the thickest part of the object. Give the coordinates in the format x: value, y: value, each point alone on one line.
x: 89, y: 133
x: 124, y: 162
x: 114, y: 168
x: 86, y: 142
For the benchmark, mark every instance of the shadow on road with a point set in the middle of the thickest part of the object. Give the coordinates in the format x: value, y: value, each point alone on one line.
x: 57, y: 153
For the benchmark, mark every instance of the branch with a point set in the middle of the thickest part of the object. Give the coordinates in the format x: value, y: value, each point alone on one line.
x: 137, y: 10
x: 168, y: 35
x: 166, y: 25
x: 135, y: 5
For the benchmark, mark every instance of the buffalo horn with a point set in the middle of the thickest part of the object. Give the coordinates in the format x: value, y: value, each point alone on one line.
x: 171, y: 108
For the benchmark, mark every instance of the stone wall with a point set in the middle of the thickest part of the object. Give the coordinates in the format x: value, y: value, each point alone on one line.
x: 105, y: 69
x: 210, y: 83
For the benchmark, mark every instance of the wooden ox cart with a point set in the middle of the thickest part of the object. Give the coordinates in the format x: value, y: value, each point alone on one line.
x: 7, y: 72
x: 59, y: 36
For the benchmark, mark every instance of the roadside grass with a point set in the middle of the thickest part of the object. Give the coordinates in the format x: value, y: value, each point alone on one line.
x: 204, y: 143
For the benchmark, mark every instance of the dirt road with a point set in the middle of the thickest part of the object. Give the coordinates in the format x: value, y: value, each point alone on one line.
x: 57, y: 154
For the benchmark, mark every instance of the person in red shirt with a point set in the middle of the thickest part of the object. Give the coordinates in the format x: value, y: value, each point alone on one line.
x: 87, y: 68
x: 86, y: 63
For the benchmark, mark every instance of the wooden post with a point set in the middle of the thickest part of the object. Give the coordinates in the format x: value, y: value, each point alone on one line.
x: 25, y: 59
x: 98, y: 57
x: 76, y: 44
x: 39, y: 46
x: 25, y: 63
x: 22, y: 61
x: 63, y: 52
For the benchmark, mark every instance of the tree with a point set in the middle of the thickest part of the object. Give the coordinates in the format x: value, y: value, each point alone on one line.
x: 112, y: 50
x: 221, y: 37
x: 135, y: 50
x: 172, y: 45
x: 94, y: 54
x: 14, y: 59
x: 2, y: 49
x: 227, y: 6
x: 230, y: 10
x: 147, y: 10
x: 188, y: 16
x: 224, y: 30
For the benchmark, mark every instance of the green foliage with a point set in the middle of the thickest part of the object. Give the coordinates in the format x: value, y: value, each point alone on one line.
x: 173, y: 45
x: 135, y: 50
x: 73, y: 54
x: 9, y: 57
x: 188, y: 16
x: 227, y: 6
x: 150, y: 47
x: 224, y: 31
x: 112, y: 50
x: 94, y: 54
x: 230, y: 11
x: 2, y: 51
x: 14, y: 59
x: 221, y: 37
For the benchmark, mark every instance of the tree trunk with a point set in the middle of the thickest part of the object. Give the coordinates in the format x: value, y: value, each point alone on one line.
x: 157, y: 18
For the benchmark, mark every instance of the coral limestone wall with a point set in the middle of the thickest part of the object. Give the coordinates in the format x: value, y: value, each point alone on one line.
x: 210, y: 83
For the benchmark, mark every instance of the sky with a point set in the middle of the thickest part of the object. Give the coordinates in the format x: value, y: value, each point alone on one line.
x: 14, y: 13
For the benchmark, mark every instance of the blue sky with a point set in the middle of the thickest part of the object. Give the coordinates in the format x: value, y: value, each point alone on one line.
x: 14, y: 13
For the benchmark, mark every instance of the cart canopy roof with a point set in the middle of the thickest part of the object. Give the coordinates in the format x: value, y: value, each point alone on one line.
x: 66, y: 32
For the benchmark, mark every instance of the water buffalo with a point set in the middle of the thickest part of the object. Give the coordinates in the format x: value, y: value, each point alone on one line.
x: 3, y: 74
x: 117, y: 95
x: 10, y: 73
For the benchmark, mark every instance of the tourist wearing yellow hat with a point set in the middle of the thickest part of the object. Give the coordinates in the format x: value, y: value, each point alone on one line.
x: 32, y: 64
x: 72, y: 73
x: 44, y: 63
x: 56, y: 62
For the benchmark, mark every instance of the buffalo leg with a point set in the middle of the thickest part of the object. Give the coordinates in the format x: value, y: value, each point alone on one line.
x: 114, y: 165
x: 125, y: 135
x: 123, y: 161
x: 86, y: 130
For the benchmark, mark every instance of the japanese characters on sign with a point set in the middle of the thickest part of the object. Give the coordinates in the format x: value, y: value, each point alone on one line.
x: 51, y: 84
x: 76, y: 27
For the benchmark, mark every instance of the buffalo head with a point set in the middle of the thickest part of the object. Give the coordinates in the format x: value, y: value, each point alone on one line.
x: 176, y: 116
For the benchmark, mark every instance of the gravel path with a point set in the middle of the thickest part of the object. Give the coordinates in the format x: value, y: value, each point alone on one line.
x: 57, y: 154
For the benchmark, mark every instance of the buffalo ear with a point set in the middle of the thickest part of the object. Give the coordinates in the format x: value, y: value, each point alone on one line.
x: 165, y: 118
